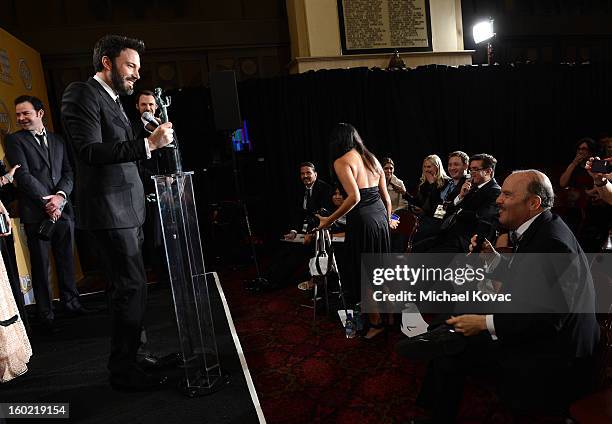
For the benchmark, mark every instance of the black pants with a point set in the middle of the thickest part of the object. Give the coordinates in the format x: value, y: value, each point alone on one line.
x: 121, y: 252
x: 61, y: 246
x: 526, y: 383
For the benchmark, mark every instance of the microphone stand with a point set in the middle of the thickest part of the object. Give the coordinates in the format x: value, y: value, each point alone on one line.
x: 258, y: 282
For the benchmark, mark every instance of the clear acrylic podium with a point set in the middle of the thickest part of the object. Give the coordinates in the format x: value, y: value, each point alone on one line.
x: 179, y: 222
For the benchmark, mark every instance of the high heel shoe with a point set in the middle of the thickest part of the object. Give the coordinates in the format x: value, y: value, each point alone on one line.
x: 379, y: 326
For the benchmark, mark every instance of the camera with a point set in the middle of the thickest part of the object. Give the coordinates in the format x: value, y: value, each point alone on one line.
x: 312, y: 221
x: 601, y: 166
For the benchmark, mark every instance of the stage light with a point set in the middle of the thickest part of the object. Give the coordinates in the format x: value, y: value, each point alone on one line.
x: 483, y: 31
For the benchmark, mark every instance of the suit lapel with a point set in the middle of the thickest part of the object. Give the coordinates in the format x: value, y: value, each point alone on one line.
x: 112, y: 106
x: 533, y: 228
x: 40, y: 149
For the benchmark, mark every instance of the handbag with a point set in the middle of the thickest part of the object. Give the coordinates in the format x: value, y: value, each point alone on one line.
x: 322, y: 262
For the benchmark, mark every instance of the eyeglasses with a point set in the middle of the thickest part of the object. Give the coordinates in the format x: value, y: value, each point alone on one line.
x: 477, y: 169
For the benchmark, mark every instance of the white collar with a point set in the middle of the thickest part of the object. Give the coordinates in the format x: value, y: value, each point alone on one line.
x: 107, y: 88
x: 525, y: 225
x: 43, y: 133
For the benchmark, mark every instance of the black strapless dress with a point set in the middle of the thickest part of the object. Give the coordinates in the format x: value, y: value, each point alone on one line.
x: 367, y: 231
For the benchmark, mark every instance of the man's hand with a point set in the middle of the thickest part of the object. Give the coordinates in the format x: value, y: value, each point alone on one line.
x: 54, y: 203
x: 308, y: 238
x: 469, y: 325
x: 162, y: 136
x: 465, y: 188
x: 487, y: 251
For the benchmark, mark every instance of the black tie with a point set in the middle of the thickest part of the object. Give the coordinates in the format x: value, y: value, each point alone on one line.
x: 41, y: 140
x: 515, y: 240
x: 125, y: 118
x: 307, y: 198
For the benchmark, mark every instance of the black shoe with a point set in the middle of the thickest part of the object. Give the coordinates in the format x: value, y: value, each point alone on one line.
x: 138, y: 382
x: 48, y: 326
x: 442, y: 340
x: 152, y: 362
x: 78, y: 310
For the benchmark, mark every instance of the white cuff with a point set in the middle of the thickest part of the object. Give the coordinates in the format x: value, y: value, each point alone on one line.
x: 147, y: 148
x: 457, y: 200
x: 61, y: 193
x: 491, y: 326
x: 489, y: 268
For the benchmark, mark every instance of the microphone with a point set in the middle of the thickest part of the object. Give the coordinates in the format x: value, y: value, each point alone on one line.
x: 151, y: 121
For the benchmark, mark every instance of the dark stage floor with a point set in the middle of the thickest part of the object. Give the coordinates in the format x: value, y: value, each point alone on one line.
x: 71, y: 367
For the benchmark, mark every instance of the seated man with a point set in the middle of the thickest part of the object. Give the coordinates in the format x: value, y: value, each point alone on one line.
x: 292, y: 256
x: 473, y: 210
x: 539, y: 360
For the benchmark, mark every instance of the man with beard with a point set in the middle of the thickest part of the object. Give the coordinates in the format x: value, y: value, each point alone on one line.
x: 110, y: 195
x: 291, y: 257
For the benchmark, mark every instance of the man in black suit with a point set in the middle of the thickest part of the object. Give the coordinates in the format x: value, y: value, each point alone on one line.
x: 472, y: 210
x: 109, y: 192
x: 44, y: 183
x: 539, y: 359
x: 291, y: 257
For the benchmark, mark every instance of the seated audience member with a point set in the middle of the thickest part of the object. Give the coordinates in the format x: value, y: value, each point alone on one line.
x: 338, y: 227
x: 15, y: 350
x: 293, y: 256
x: 473, y: 210
x: 395, y: 186
x: 433, y: 183
x: 601, y: 181
x: 540, y: 361
x: 458, y: 162
x: 584, y: 212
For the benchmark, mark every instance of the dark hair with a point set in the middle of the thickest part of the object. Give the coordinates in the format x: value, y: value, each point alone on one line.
x: 344, y: 138
x: 309, y: 165
x: 591, y: 144
x: 112, y: 46
x: 36, y: 102
x: 461, y: 155
x: 488, y: 161
x: 143, y: 93
x: 385, y: 161
x: 539, y: 185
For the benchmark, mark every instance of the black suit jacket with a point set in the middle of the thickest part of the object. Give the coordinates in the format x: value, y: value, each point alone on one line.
x: 320, y: 198
x: 38, y: 176
x: 109, y: 191
x: 476, y: 213
x: 538, y: 279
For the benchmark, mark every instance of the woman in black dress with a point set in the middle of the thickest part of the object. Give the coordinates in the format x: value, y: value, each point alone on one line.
x: 367, y: 206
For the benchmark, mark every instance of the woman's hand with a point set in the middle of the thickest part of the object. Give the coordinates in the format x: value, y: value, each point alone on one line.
x: 393, y: 223
x: 430, y: 177
x: 324, y: 222
x: 11, y: 171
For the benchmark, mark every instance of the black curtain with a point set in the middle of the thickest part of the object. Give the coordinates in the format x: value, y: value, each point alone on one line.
x: 525, y: 115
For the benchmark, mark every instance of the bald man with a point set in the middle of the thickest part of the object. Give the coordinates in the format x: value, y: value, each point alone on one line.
x: 538, y: 359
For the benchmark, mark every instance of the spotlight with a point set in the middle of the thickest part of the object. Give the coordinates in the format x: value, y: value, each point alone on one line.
x: 483, y: 31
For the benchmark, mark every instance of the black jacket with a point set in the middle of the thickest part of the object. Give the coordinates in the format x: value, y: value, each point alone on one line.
x: 320, y: 198
x: 109, y: 192
x: 535, y: 277
x: 38, y: 176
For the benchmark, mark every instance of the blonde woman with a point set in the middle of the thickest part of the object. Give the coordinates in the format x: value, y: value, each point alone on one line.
x: 15, y: 349
x: 432, y: 184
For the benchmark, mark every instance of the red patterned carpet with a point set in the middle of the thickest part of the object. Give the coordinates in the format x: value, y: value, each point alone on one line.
x: 315, y: 375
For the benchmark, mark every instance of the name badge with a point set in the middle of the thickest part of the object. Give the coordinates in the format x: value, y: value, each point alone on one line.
x: 440, y: 212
